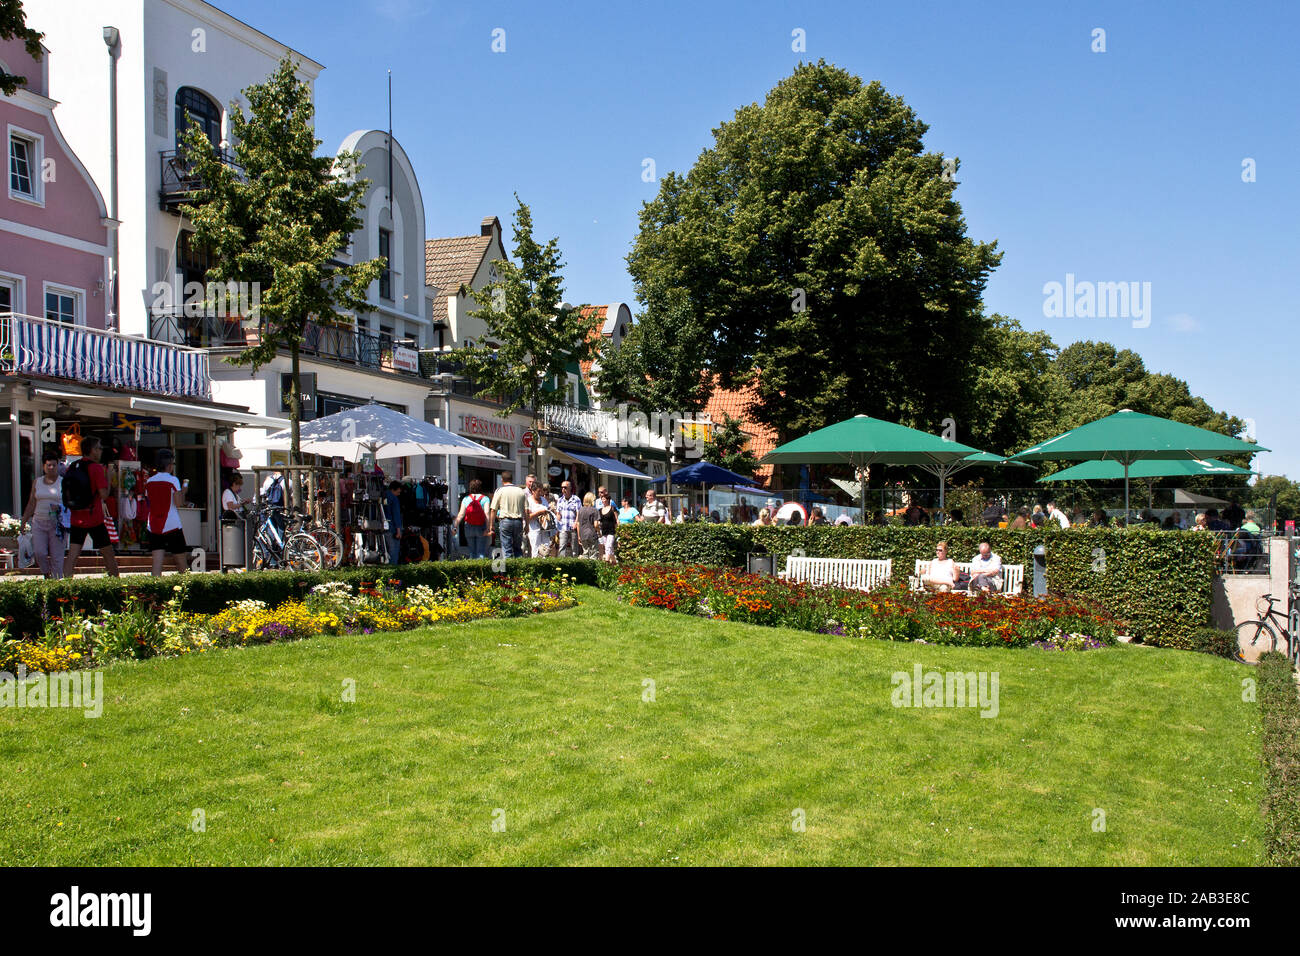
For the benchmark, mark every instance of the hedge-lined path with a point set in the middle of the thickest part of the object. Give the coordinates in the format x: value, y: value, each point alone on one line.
x: 543, y: 719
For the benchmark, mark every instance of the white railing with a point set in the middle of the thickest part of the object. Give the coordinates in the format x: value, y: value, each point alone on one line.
x: 38, y: 346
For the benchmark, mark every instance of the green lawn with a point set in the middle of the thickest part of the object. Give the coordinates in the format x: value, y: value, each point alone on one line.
x: 543, y: 718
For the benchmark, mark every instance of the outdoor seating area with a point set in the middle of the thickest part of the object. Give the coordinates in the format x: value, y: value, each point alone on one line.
x: 1013, y: 577
x: 858, y: 574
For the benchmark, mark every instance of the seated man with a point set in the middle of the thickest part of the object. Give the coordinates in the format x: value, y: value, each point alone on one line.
x: 986, y: 570
x: 942, y: 575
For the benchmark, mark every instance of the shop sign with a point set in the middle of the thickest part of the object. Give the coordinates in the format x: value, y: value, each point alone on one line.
x: 125, y: 422
x: 471, y: 426
x: 406, y: 360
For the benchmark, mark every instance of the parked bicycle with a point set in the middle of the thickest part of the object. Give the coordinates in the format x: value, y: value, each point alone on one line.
x: 326, y: 538
x: 1263, y: 628
x: 277, y: 546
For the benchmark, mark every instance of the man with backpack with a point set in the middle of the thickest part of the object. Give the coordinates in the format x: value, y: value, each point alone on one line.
x: 473, y: 516
x: 85, y: 491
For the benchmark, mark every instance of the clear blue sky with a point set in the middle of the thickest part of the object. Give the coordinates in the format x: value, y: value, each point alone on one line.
x: 1116, y: 166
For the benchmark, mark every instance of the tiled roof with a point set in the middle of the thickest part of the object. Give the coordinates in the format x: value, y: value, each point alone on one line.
x: 600, y: 311
x: 451, y: 263
x: 736, y: 404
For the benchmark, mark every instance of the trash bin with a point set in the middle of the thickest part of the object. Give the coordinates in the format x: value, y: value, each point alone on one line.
x: 232, y: 545
x: 1040, y: 571
x: 760, y: 563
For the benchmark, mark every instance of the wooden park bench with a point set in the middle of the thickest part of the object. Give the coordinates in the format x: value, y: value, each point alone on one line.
x: 1013, y: 577
x: 861, y: 574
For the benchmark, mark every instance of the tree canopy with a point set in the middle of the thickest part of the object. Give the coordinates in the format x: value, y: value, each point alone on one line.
x: 818, y: 243
x: 13, y: 24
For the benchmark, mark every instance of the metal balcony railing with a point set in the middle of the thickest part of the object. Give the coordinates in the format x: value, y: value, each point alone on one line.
x: 35, y: 346
x: 178, y: 181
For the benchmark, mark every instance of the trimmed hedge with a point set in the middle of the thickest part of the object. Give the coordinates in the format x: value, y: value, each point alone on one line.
x: 1211, y: 640
x: 1279, y: 707
x: 29, y: 603
x: 1159, y: 581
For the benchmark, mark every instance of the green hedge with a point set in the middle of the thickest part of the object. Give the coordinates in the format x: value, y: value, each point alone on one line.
x: 1211, y: 640
x: 1161, y: 582
x: 1279, y: 707
x: 29, y: 603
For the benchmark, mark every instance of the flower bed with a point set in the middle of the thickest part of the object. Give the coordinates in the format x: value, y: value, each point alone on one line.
x: 893, y: 613
x: 77, y: 638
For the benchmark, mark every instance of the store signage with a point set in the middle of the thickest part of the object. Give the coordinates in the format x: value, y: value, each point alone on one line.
x: 122, y: 421
x: 406, y: 360
x: 526, y: 442
x: 472, y: 426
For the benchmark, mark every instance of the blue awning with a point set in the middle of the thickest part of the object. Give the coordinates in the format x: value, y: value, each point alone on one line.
x: 603, y: 464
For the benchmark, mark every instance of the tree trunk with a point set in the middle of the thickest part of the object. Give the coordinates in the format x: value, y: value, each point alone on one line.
x: 295, y: 405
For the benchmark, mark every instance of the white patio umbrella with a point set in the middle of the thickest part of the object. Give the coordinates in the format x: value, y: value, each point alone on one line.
x: 380, y: 431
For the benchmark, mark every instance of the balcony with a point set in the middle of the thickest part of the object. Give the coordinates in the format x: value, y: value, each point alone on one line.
x: 588, y: 423
x: 33, y: 346
x: 332, y: 343
x: 178, y: 182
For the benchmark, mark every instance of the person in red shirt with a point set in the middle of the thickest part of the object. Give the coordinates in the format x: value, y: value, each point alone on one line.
x: 166, y: 494
x: 90, y: 521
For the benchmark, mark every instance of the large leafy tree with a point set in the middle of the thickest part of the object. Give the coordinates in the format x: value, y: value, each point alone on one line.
x: 281, y: 220
x: 13, y: 24
x: 817, y: 242
x: 531, y: 337
x: 727, y: 448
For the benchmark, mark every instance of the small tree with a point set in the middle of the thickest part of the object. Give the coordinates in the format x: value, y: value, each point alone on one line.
x: 727, y: 449
x: 531, y: 337
x: 14, y: 24
x: 280, y: 221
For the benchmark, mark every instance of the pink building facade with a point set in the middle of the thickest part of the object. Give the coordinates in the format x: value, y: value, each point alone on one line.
x: 54, y: 227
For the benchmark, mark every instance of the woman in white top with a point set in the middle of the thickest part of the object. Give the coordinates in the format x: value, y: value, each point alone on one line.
x: 541, y: 522
x: 764, y: 518
x: 942, y: 575
x: 43, y: 507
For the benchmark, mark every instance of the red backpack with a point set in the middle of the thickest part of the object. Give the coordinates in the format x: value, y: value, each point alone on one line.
x: 474, y: 513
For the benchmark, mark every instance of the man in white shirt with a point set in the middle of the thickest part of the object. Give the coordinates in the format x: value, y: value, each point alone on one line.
x: 653, y: 510
x: 942, y: 575
x: 986, y: 570
x: 1057, y: 515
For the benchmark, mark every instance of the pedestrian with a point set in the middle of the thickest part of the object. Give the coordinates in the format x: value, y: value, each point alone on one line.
x: 166, y: 494
x: 85, y: 491
x: 541, y: 523
x: 588, y: 527
x: 608, y: 520
x: 506, y: 516
x: 1057, y: 515
x: 44, y: 505
x: 653, y: 510
x: 393, y: 512
x: 232, y: 504
x: 816, y: 517
x: 567, y: 507
x: 628, y: 513
x: 473, y: 517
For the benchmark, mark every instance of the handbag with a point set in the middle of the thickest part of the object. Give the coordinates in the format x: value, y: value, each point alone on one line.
x: 26, y: 550
x: 111, y: 525
x: 71, y: 440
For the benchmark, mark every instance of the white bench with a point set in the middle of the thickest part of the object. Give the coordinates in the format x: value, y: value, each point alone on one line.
x: 1013, y: 577
x: 861, y: 574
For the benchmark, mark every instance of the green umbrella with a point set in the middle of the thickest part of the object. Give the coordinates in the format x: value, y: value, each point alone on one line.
x: 1128, y: 437
x: 862, y: 442
x: 1099, y: 470
x: 948, y: 469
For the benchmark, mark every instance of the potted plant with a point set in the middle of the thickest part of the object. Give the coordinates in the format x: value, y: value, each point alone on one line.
x: 9, y: 529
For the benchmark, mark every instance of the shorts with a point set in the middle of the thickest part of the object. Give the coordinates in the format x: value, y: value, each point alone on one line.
x: 98, y: 537
x: 173, y: 542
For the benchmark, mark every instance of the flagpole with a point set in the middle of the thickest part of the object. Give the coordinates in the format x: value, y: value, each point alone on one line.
x: 390, y: 140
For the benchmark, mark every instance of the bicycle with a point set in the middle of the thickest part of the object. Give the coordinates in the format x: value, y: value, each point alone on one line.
x: 1261, y: 626
x: 274, y: 548
x: 326, y: 538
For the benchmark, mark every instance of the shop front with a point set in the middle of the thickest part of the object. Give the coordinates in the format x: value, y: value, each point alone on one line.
x: 53, y: 417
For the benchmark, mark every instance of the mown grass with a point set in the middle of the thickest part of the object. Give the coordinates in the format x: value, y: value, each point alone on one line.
x: 540, y: 724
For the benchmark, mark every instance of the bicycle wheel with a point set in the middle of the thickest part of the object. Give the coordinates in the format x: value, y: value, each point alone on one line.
x: 331, y: 545
x: 302, y: 553
x: 1249, y: 634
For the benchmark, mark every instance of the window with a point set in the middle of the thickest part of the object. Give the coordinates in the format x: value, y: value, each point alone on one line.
x: 386, y: 277
x: 62, y: 305
x: 23, y: 161
x: 190, y: 102
x: 6, y: 296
